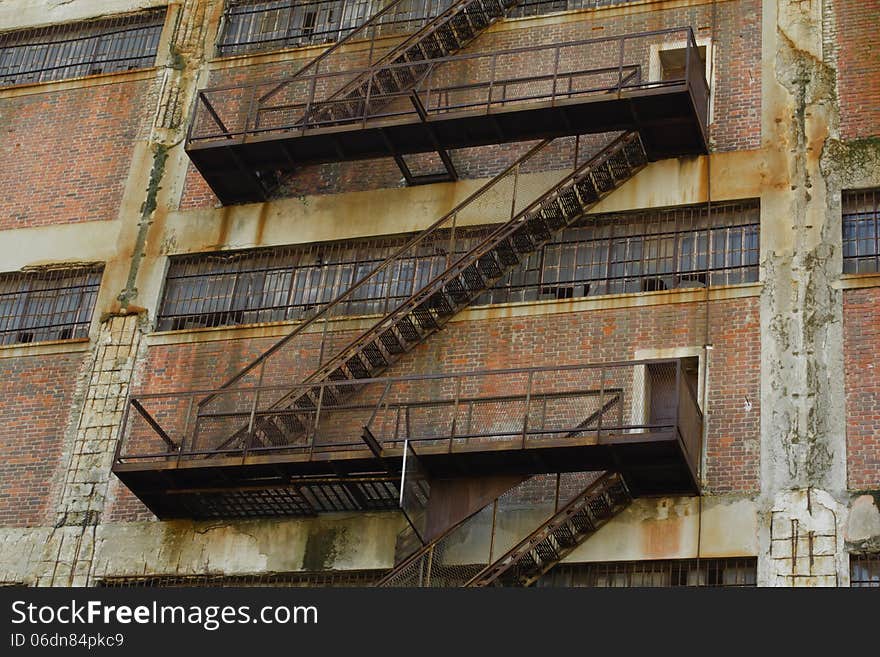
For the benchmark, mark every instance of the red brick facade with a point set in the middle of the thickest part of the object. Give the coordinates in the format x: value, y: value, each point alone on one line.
x: 858, y: 68
x: 36, y: 395
x: 861, y: 325
x: 66, y: 154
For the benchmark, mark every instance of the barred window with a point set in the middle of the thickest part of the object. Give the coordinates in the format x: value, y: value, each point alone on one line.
x: 260, y: 25
x: 864, y: 570
x: 642, y: 251
x: 74, y: 50
x: 861, y: 231
x: 737, y: 573
x: 326, y: 579
x: 47, y: 304
x: 601, y: 254
x: 539, y: 7
x: 255, y: 26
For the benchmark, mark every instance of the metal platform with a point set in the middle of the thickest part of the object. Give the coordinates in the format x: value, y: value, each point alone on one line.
x: 461, y: 101
x: 567, y: 419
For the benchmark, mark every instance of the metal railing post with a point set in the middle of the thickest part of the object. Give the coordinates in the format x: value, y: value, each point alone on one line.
x: 601, y: 405
x: 253, y: 414
x: 528, y: 404
x: 189, y: 410
x: 555, y: 74
x: 454, y: 412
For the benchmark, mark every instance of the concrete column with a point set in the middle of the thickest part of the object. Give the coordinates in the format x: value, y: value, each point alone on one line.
x: 803, y: 429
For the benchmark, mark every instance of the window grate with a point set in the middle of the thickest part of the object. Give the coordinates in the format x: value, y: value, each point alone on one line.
x: 728, y: 573
x: 601, y: 254
x: 864, y: 570
x: 259, y: 25
x: 861, y: 231
x: 48, y: 304
x: 352, y: 578
x: 59, y: 52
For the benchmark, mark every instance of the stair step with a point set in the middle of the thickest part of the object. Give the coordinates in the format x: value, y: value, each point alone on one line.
x: 270, y: 432
x: 522, y: 240
x: 547, y: 550
x: 566, y: 535
x: 456, y: 291
x: 357, y: 367
x: 603, y: 179
x: 473, y: 279
x: 506, y: 253
x: 408, y: 330
x: 489, y: 266
x: 582, y: 521
x: 586, y: 190
x: 569, y: 202
x: 538, y: 228
x: 440, y: 303
x: 391, y: 342
x: 374, y: 355
x: 338, y: 375
x: 424, y: 317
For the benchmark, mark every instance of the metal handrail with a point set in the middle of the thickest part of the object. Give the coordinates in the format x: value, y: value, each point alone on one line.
x: 414, y: 241
x: 371, y: 71
x: 504, y: 231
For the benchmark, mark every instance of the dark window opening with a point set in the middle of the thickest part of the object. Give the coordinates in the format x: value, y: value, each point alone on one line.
x: 673, y: 63
x: 58, y: 52
x: 861, y: 231
x: 47, y: 304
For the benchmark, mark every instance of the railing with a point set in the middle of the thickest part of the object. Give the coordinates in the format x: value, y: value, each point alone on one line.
x: 476, y: 82
x: 469, y: 546
x: 384, y: 31
x: 442, y: 413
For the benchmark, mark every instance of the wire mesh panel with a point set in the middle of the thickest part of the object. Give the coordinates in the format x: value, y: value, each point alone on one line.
x: 57, y: 52
x: 861, y: 231
x: 48, y: 304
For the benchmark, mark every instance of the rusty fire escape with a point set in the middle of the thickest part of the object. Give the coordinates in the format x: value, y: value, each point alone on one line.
x: 343, y: 437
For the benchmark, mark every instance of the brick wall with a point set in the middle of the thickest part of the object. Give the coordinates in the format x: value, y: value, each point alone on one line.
x: 858, y: 68
x: 861, y: 326
x: 35, y: 399
x: 66, y: 154
x: 736, y: 107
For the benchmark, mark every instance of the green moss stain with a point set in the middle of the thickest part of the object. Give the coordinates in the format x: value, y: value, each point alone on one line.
x: 322, y: 547
x: 160, y: 157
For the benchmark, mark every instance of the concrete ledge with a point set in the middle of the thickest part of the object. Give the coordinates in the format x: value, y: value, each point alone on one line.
x: 495, y: 311
x: 44, y: 348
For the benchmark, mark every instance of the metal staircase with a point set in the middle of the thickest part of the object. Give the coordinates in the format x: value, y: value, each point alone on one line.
x: 406, y: 64
x: 402, y: 69
x: 443, y: 563
x: 556, y: 538
x: 428, y: 309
